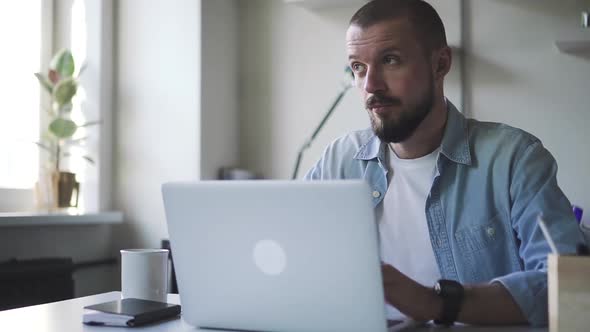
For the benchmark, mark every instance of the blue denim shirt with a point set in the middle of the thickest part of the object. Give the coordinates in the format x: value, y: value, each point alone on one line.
x: 491, y: 182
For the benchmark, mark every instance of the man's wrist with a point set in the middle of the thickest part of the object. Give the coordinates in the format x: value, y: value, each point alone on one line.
x: 433, y: 305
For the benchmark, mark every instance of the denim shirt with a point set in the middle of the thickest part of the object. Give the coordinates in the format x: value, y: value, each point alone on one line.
x: 491, y: 182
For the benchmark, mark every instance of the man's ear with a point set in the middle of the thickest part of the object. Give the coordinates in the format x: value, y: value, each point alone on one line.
x: 443, y: 59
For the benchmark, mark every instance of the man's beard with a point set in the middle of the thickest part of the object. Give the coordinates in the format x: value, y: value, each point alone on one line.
x: 392, y: 130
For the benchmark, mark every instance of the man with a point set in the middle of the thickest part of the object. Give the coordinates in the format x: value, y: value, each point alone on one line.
x: 456, y: 200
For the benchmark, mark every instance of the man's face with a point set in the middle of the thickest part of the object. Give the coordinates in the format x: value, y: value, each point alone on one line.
x: 395, y: 75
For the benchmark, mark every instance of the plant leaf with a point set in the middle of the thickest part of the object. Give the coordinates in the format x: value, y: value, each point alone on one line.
x: 44, y: 82
x: 88, y: 159
x: 63, y: 63
x: 63, y: 128
x: 64, y: 91
x: 82, y: 68
x: 53, y: 76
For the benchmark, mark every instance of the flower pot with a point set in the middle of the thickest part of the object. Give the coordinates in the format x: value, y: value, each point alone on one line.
x: 56, y: 190
x: 66, y: 189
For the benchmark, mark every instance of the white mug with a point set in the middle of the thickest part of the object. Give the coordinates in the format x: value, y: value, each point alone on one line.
x: 144, y: 274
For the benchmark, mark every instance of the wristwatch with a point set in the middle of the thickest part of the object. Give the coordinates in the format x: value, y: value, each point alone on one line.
x: 451, y: 293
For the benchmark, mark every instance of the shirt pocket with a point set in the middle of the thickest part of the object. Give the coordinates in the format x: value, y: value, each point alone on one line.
x: 483, y: 252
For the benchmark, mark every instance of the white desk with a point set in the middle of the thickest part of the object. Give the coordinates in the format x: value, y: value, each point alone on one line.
x: 66, y: 316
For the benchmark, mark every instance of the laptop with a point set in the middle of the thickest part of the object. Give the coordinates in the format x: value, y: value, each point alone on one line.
x: 264, y: 255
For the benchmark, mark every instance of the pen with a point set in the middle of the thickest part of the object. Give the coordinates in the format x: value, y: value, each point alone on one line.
x: 545, y: 231
x: 578, y: 212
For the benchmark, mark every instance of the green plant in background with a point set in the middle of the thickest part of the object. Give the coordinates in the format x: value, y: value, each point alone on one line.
x: 62, y: 86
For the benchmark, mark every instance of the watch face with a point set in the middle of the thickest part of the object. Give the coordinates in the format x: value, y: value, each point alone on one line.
x: 437, y: 288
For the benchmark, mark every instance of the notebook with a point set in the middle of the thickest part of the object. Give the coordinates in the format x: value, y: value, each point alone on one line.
x: 129, y: 312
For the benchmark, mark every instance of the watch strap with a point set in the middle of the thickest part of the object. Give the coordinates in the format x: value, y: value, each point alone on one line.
x: 452, y: 294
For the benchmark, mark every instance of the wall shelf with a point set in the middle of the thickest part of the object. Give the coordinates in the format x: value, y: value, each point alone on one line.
x: 573, y: 46
x: 48, y: 219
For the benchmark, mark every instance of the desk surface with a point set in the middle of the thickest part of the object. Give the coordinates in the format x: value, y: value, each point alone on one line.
x: 66, y: 316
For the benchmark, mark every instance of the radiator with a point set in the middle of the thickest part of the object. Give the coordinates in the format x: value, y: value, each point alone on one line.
x: 35, y: 281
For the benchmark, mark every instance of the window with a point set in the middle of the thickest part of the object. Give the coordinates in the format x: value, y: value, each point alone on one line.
x: 24, y: 42
x: 30, y: 33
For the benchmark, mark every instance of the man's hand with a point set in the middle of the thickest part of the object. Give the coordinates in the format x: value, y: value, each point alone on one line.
x: 422, y: 304
x: 409, y: 297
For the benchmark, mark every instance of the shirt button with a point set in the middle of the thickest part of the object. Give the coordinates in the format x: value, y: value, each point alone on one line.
x: 491, y: 231
x: 376, y: 194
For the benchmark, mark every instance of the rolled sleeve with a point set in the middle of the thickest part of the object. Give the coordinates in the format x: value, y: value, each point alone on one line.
x: 534, y: 190
x: 529, y: 291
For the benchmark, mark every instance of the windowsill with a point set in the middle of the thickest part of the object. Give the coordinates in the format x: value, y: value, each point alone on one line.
x: 10, y: 219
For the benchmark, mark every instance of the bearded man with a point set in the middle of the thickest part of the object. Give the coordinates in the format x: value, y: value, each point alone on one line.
x: 456, y: 200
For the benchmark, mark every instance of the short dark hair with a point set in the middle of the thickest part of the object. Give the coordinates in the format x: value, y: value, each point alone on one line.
x: 422, y: 16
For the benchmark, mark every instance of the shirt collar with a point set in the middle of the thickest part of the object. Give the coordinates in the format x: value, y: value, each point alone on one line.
x: 455, y: 143
x: 374, y: 148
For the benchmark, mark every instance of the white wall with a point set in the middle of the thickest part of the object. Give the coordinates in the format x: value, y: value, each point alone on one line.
x: 157, y: 124
x: 518, y: 77
x: 219, y: 94
x: 176, y: 104
x: 292, y: 67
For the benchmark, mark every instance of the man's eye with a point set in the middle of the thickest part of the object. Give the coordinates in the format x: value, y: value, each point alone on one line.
x: 357, y: 67
x: 391, y: 60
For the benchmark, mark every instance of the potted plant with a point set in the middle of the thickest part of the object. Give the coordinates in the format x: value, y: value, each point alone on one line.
x: 62, y: 85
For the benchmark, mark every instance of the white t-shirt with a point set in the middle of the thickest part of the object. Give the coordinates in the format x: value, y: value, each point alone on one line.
x: 403, y: 229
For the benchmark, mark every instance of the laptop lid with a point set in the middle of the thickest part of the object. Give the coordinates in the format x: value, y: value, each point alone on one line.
x: 276, y: 255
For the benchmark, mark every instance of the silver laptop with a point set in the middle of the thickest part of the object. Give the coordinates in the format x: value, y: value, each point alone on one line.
x: 276, y: 255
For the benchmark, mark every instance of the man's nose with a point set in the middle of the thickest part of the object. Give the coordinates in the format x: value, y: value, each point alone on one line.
x: 373, y: 81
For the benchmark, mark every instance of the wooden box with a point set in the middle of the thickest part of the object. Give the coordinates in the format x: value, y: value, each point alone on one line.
x: 569, y: 293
